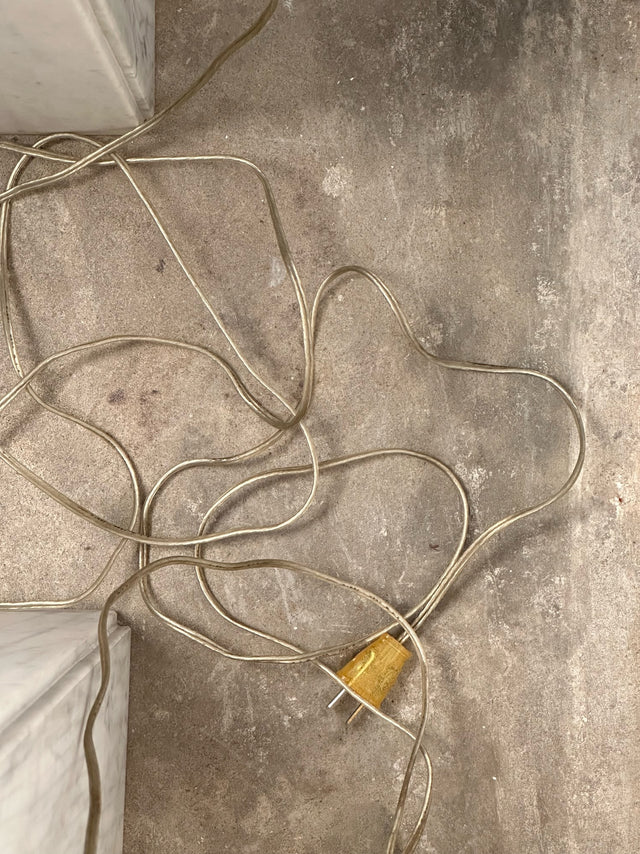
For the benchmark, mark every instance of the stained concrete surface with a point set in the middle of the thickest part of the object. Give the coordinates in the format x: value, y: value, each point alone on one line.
x: 484, y: 159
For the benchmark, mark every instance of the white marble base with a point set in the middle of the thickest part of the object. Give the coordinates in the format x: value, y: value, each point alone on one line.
x: 76, y: 65
x: 49, y: 675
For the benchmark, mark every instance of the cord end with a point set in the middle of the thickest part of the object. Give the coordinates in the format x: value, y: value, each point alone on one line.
x: 374, y: 670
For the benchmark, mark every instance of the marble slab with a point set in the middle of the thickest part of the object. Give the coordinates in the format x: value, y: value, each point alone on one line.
x: 129, y: 27
x: 36, y: 649
x: 76, y: 65
x: 49, y: 675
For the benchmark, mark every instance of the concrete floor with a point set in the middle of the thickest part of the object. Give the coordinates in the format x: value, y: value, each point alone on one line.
x: 484, y: 159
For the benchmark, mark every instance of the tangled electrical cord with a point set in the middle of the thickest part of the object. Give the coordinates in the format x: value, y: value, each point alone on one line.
x: 291, y: 417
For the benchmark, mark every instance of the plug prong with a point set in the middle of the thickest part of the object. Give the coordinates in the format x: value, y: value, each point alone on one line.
x: 354, y: 714
x: 337, y: 698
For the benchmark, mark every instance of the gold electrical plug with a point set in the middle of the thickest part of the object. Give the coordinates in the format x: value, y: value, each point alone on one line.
x: 374, y: 670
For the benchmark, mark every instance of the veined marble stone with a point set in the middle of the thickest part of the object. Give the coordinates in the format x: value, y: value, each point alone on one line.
x: 76, y: 65
x: 49, y: 676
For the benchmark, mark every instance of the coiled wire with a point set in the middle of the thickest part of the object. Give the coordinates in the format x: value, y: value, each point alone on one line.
x: 282, y: 415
